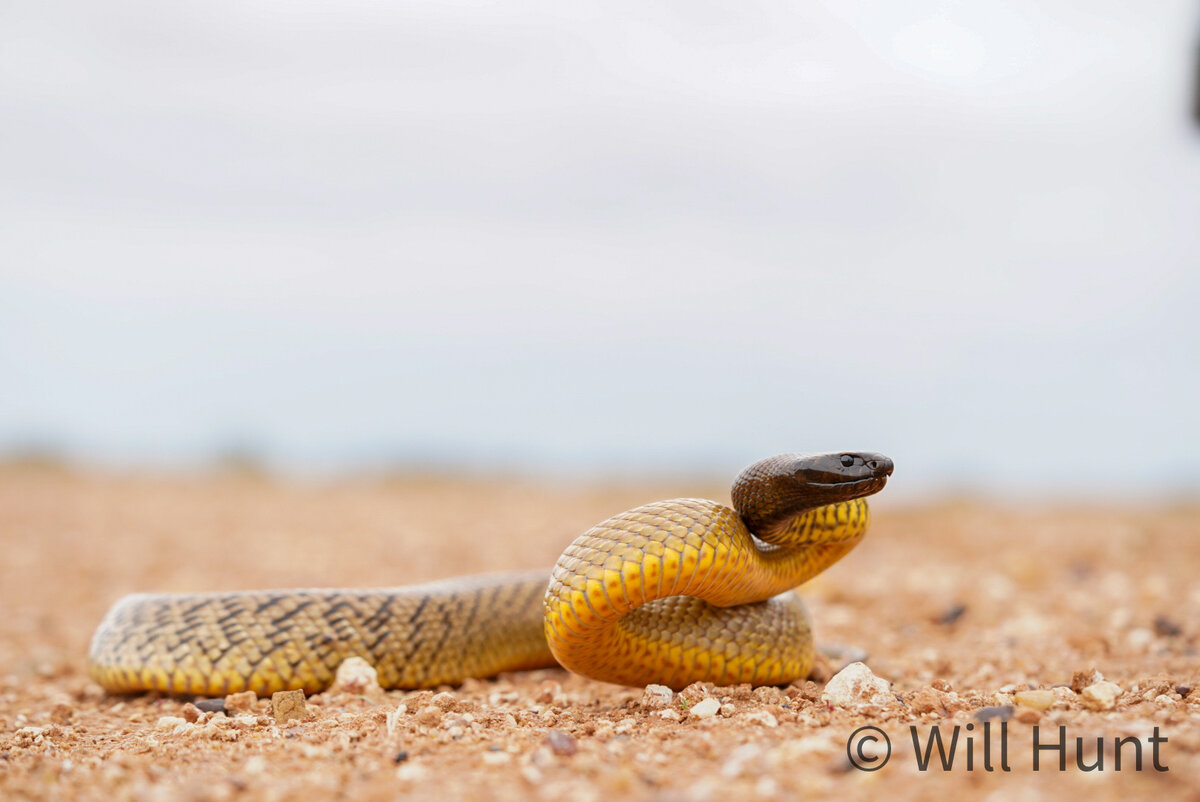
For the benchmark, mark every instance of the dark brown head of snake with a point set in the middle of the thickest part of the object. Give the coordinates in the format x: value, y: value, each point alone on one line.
x: 771, y: 491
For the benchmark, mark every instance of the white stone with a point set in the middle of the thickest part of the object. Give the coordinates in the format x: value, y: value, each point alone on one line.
x: 411, y: 772
x: 855, y: 685
x: 1101, y: 696
x: 761, y: 717
x: 356, y: 675
x: 705, y: 708
x: 1139, y: 638
x: 657, y: 696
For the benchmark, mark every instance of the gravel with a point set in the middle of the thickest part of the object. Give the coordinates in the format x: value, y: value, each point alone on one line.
x: 1047, y: 612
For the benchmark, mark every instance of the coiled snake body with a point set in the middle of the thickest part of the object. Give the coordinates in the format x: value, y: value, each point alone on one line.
x: 671, y: 592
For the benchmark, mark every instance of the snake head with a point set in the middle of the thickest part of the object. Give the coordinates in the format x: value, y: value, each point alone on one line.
x: 852, y: 472
x: 773, y: 490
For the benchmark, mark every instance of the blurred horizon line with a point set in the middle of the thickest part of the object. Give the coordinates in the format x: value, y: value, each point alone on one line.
x: 443, y: 464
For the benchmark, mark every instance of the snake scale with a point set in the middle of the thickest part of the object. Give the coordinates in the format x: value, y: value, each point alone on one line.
x: 671, y: 592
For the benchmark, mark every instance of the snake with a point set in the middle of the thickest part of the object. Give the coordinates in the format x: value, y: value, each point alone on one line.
x: 669, y: 593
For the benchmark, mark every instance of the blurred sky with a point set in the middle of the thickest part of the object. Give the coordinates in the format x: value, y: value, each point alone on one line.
x: 606, y: 238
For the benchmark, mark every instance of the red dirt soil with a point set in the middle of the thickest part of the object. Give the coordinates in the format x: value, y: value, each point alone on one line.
x: 962, y: 607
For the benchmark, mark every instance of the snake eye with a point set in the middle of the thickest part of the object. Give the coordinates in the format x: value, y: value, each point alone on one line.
x: 847, y: 460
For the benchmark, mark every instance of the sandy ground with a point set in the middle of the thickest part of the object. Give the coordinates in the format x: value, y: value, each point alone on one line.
x: 962, y: 607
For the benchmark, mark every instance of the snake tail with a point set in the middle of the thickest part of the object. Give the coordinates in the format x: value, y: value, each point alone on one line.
x: 420, y: 636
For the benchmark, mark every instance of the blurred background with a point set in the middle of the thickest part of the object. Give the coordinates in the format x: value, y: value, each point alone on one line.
x: 606, y: 239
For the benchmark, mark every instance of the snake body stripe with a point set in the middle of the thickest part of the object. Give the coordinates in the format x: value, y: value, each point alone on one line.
x: 671, y: 592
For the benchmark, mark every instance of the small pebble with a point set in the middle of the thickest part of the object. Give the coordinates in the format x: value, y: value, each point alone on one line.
x: 1082, y: 679
x: 1037, y: 700
x: 857, y: 685
x: 693, y: 693
x: 237, y: 703
x: 169, y: 722
x: 210, y: 705
x: 705, y: 708
x: 289, y: 706
x: 761, y: 717
x: 657, y: 696
x: 191, y: 713
x: 951, y: 615
x: 561, y: 743
x: 1139, y: 638
x: 1101, y: 696
x: 769, y: 695
x: 356, y: 676
x: 400, y: 756
x: 28, y: 735
x: 496, y: 758
x: 412, y: 772
x: 999, y: 712
x: 444, y: 700
x: 429, y: 715
x: 1064, y: 694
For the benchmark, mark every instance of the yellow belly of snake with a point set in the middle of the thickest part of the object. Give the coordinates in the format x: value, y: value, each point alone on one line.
x: 672, y: 593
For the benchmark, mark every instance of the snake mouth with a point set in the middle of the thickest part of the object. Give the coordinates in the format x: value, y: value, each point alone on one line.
x: 880, y: 481
x: 854, y: 488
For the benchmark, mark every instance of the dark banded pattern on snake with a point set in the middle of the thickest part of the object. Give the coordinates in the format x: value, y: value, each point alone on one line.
x: 415, y: 637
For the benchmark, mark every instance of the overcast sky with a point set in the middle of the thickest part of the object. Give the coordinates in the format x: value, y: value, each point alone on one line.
x: 606, y: 238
